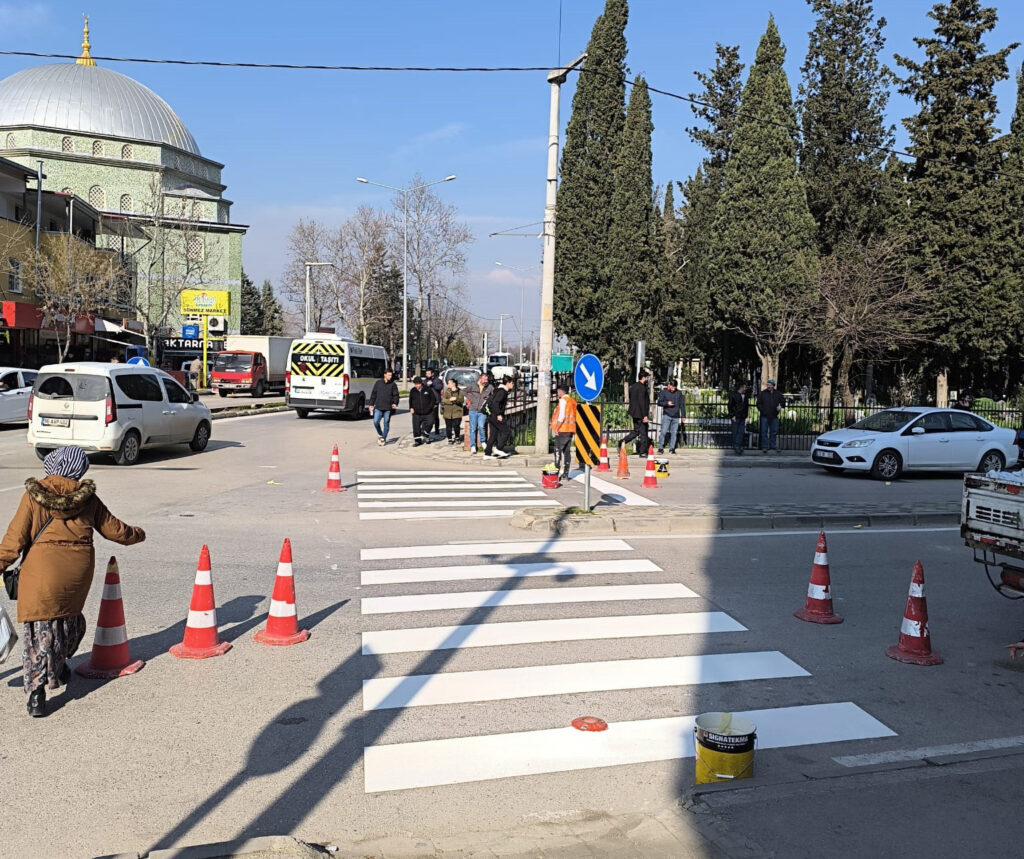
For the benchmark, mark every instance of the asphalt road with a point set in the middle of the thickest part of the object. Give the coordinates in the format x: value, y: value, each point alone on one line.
x: 328, y: 740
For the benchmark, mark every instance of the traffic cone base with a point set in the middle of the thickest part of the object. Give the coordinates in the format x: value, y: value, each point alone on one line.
x: 201, y: 640
x: 623, y: 468
x: 811, y: 617
x: 650, y: 472
x: 334, y: 474
x: 602, y: 464
x: 110, y: 656
x: 915, y: 643
x: 818, y: 605
x: 183, y: 652
x: 894, y: 652
x: 263, y: 637
x: 282, y: 620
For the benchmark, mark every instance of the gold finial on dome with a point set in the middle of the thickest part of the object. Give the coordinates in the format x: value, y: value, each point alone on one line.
x: 85, y: 59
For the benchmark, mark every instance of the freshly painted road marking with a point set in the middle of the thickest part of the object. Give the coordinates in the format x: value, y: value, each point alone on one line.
x: 874, y: 530
x: 438, y: 514
x: 539, y: 631
x: 552, y: 546
x: 427, y: 763
x: 426, y: 487
x: 527, y: 596
x: 615, y: 493
x: 507, y: 502
x: 499, y: 684
x: 430, y: 473
x: 899, y: 755
x: 470, y: 572
x: 399, y: 495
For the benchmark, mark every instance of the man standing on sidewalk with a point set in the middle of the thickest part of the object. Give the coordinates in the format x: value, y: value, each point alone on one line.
x: 421, y: 405
x: 435, y: 387
x: 383, y: 401
x: 563, y: 428
x: 673, y: 409
x: 497, y: 438
x: 639, y: 410
x: 738, y: 409
x: 769, y: 404
x: 476, y: 398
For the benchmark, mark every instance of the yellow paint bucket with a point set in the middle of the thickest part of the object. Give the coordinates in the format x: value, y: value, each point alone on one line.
x: 661, y: 467
x: 725, y: 747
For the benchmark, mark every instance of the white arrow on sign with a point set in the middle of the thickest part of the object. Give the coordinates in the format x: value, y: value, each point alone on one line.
x: 590, y: 378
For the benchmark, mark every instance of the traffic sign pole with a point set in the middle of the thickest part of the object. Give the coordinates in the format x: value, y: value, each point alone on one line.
x: 586, y: 488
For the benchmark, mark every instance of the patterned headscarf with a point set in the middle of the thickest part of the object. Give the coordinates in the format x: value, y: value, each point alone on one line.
x: 68, y: 462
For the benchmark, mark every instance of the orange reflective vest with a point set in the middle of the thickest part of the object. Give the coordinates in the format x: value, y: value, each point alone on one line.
x: 567, y: 423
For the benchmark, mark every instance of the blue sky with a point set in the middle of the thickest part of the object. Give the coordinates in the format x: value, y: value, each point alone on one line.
x: 294, y: 141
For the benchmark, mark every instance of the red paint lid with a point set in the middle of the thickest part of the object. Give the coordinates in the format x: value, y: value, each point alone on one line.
x: 589, y: 723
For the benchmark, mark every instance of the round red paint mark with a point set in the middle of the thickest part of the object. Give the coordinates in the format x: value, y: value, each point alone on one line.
x: 589, y: 723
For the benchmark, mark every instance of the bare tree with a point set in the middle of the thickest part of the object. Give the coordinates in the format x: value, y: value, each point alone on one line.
x: 362, y: 248
x: 311, y: 241
x: 449, y: 321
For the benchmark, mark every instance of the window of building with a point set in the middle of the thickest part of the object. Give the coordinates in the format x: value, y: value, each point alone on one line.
x: 97, y: 147
x: 96, y: 197
x: 67, y: 144
x: 196, y: 250
x: 126, y: 151
x: 126, y: 202
x: 14, y: 275
x: 10, y: 141
x: 197, y: 210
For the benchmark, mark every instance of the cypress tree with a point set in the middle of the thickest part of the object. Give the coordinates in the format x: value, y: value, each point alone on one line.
x: 1011, y: 186
x: 252, y: 308
x: 762, y: 248
x: 592, y: 141
x: 718, y: 107
x: 272, y: 322
x: 952, y: 189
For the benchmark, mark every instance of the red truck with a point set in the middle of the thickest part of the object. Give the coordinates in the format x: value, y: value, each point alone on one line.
x: 251, y: 364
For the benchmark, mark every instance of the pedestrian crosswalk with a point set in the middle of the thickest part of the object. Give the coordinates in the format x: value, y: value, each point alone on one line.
x: 544, y: 661
x: 445, y: 494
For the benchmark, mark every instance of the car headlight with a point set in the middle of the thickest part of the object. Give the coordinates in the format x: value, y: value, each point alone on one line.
x: 860, y: 442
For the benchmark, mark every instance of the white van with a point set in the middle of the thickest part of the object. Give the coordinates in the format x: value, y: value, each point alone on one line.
x: 326, y: 373
x: 115, y: 408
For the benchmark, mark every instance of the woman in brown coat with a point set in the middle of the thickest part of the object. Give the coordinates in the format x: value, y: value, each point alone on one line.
x: 61, y: 510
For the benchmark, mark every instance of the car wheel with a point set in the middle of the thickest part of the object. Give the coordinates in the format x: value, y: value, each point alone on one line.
x: 131, y: 447
x: 360, y: 411
x: 834, y: 469
x: 992, y: 461
x: 302, y: 413
x: 222, y: 393
x: 201, y: 437
x: 259, y: 389
x: 43, y: 452
x: 888, y: 465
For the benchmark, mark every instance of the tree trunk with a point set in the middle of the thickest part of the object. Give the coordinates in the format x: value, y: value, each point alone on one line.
x: 942, y: 387
x: 843, y: 380
x: 825, y: 392
x: 723, y: 379
x: 769, y: 365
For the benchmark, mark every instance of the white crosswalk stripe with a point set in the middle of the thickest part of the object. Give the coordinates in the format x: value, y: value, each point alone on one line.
x: 509, y: 572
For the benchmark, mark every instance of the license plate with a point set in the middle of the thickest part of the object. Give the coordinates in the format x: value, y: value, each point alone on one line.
x: 826, y: 455
x: 56, y: 422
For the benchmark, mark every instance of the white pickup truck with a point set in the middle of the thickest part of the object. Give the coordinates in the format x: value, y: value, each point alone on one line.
x: 992, y: 523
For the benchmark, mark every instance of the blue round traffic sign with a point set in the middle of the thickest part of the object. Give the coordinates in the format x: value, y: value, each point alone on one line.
x: 589, y: 377
x: 138, y: 359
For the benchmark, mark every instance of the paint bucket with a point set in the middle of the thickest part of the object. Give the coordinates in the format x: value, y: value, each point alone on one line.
x: 549, y: 479
x: 725, y: 747
x: 661, y: 467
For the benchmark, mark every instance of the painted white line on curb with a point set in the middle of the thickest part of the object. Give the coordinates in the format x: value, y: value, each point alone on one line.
x: 542, y: 631
x: 898, y: 755
x: 770, y: 533
x: 464, y: 573
x: 555, y: 545
x: 502, y: 684
x: 400, y: 766
x: 615, y: 493
x: 524, y: 596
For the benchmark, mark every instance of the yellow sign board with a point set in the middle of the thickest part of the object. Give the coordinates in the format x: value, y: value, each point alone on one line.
x: 213, y: 302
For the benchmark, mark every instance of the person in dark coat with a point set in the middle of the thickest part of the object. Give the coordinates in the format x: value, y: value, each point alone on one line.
x: 383, y: 401
x: 497, y: 438
x: 639, y: 410
x: 769, y: 403
x: 60, y: 512
x: 421, y: 404
x: 739, y: 408
x: 673, y: 410
x: 436, y: 387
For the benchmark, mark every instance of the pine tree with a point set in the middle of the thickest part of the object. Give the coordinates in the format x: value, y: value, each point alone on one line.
x: 273, y: 317
x: 952, y: 189
x: 252, y: 308
x: 763, y: 252
x: 1011, y: 196
x: 718, y: 106
x: 592, y: 142
x: 634, y: 266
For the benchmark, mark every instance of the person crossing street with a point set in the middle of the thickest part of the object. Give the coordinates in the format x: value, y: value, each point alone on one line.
x: 639, y: 410
x: 383, y: 402
x: 500, y: 431
x: 563, y: 428
x: 421, y: 405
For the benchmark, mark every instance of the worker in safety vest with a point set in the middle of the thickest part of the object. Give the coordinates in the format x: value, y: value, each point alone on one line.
x: 563, y: 428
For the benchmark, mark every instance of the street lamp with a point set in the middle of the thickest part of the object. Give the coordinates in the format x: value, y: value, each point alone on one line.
x: 522, y: 304
x: 405, y: 259
x: 309, y: 309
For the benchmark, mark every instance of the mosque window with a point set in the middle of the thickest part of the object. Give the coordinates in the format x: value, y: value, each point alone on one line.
x: 67, y: 144
x: 126, y: 151
x: 126, y: 202
x: 197, y: 211
x: 96, y: 199
x: 10, y: 141
x: 97, y: 147
x: 196, y: 251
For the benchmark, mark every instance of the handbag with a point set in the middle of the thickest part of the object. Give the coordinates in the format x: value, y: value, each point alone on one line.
x: 12, y: 575
x: 8, y: 637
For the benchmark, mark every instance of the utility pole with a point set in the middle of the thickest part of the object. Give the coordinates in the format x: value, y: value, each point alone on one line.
x: 556, y: 78
x: 501, y: 324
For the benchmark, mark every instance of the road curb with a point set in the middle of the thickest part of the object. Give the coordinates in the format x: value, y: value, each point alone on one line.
x: 280, y: 845
x: 248, y: 412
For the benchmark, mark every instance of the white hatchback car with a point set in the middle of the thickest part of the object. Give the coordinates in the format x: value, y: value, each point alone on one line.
x: 917, y: 438
x: 114, y: 408
x: 15, y: 388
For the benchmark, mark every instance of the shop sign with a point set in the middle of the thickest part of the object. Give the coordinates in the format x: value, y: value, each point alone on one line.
x: 210, y: 302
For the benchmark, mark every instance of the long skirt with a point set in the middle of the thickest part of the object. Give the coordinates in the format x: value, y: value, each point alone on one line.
x: 49, y: 644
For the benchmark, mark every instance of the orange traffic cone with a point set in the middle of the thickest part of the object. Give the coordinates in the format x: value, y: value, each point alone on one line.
x: 110, y: 656
x: 818, y: 605
x: 602, y: 464
x: 651, y: 472
x: 334, y: 474
x: 623, y: 470
x: 282, y: 621
x: 201, y: 639
x: 915, y: 644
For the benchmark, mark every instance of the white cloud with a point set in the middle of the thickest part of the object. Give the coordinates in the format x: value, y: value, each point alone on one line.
x: 19, y: 19
x: 448, y: 131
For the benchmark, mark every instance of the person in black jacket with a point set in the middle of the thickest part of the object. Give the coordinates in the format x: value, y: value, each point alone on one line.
x: 421, y: 404
x: 435, y: 386
x: 639, y: 410
x: 383, y: 401
x: 497, y: 438
x: 769, y: 403
x: 738, y: 410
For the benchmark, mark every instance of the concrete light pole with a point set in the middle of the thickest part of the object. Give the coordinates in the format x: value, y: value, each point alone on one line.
x: 309, y: 308
x: 556, y: 78
x: 405, y: 260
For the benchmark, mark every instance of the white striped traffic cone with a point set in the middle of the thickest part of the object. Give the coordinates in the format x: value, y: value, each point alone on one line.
x: 334, y: 474
x: 110, y: 654
x: 818, y: 605
x: 602, y: 464
x: 651, y: 472
x: 201, y: 639
x: 915, y: 642
x: 282, y: 620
